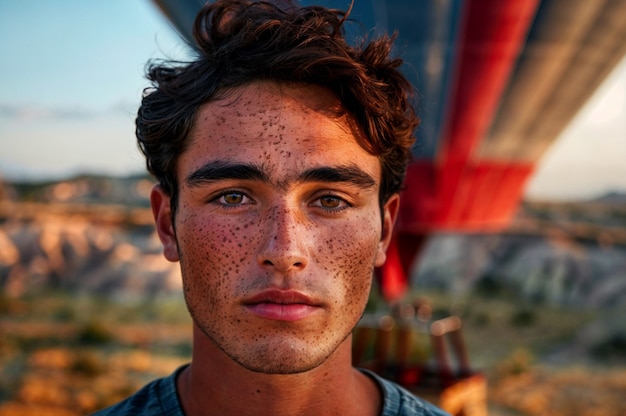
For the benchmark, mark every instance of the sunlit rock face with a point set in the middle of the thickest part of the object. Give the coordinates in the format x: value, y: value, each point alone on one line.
x: 77, y: 255
x: 92, y: 235
x: 536, y: 268
x: 567, y: 254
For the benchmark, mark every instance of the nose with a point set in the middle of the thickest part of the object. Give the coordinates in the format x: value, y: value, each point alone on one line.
x: 284, y: 246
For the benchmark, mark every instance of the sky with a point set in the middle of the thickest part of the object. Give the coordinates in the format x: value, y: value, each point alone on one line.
x: 72, y: 78
x: 71, y: 81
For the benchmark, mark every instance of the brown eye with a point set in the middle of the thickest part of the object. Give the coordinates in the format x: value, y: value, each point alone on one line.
x: 233, y: 198
x: 330, y: 201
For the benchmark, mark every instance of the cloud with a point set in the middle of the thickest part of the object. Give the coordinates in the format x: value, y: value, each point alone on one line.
x: 38, y: 112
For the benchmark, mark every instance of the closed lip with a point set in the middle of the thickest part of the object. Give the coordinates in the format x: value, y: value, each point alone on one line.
x: 283, y: 297
x: 282, y: 305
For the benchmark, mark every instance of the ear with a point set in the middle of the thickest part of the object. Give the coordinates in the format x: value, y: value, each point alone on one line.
x: 162, y: 212
x: 390, y: 214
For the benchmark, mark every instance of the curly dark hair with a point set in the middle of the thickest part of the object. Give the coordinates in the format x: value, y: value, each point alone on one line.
x: 241, y: 41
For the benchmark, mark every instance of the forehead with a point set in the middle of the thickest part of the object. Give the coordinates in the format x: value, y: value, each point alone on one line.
x: 277, y: 126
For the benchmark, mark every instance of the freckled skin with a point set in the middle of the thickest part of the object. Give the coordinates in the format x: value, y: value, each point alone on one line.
x: 235, y: 238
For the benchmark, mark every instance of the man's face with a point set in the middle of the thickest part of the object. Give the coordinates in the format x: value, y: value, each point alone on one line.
x: 278, y: 226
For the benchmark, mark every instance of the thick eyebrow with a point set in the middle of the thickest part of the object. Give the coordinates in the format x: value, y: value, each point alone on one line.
x: 221, y: 170
x: 349, y: 173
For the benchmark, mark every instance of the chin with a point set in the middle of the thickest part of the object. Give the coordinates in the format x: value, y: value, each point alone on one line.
x: 285, y: 358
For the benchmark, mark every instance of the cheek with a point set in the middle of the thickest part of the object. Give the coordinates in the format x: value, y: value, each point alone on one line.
x: 214, y: 253
x: 349, y: 255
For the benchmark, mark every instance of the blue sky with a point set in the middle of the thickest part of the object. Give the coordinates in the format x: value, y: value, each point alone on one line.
x: 72, y: 76
x: 71, y: 80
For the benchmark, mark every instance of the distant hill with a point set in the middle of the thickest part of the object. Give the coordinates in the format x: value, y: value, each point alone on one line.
x: 553, y: 253
x: 537, y: 269
x: 84, y: 234
x: 83, y: 189
x: 612, y: 198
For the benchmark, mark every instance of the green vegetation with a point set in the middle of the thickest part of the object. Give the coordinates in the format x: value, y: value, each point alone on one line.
x: 519, y: 362
x: 95, y: 333
x: 523, y: 317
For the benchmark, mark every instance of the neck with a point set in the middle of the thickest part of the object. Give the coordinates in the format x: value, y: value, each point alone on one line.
x: 214, y: 384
